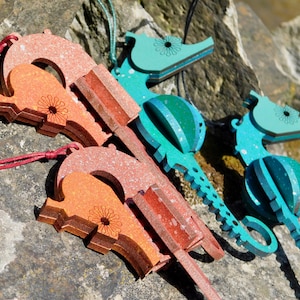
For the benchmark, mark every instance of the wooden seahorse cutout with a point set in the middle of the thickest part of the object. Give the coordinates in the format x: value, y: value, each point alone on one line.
x: 39, y: 99
x: 92, y: 210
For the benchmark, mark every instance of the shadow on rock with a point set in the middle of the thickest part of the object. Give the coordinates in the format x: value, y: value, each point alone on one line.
x: 287, y: 269
x: 177, y: 277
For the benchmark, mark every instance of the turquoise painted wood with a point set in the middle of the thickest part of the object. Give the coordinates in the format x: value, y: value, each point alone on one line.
x: 174, y: 129
x: 272, y: 183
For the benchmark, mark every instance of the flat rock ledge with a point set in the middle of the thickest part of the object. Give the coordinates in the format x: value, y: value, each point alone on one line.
x: 36, y: 262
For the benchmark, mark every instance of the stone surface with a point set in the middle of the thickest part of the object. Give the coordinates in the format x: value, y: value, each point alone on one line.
x: 36, y: 262
x: 273, y: 12
x: 218, y: 82
x: 33, y: 17
x: 287, y: 38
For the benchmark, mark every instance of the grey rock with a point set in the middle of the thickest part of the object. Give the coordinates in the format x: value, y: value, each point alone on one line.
x: 261, y: 49
x: 218, y: 82
x: 90, y: 27
x: 36, y: 262
x: 274, y: 56
x: 26, y: 17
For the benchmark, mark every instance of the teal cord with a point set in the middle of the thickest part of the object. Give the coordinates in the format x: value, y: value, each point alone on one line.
x: 112, y: 24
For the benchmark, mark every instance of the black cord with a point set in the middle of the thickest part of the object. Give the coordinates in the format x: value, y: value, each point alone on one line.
x: 186, y: 29
x: 189, y: 19
x: 181, y: 75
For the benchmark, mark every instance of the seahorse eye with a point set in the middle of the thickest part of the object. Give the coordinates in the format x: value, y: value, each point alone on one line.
x: 52, y: 110
x: 168, y: 44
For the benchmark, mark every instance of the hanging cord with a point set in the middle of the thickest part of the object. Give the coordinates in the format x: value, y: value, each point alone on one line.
x: 188, y: 21
x: 7, y: 42
x: 112, y: 25
x: 20, y: 160
x: 186, y: 30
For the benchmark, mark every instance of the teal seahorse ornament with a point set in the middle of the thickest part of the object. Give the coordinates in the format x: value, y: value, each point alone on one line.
x: 272, y: 182
x: 174, y: 129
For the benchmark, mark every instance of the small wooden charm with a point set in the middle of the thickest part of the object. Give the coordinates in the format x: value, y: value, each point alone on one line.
x: 40, y: 100
x: 68, y: 59
x: 94, y: 212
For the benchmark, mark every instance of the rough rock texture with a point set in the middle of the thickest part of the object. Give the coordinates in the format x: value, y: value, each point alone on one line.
x: 275, y: 60
x: 218, y: 82
x: 287, y: 39
x: 36, y: 262
x: 273, y: 12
